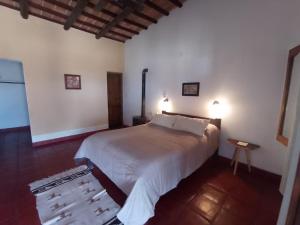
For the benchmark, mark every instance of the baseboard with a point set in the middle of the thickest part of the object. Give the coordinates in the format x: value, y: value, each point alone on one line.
x: 12, y: 129
x: 52, y: 138
x: 275, y: 178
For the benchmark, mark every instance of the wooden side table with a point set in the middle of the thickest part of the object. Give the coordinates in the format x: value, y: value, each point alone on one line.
x: 238, y: 148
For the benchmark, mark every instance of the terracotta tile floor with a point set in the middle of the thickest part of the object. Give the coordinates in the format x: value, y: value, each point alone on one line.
x: 212, y: 195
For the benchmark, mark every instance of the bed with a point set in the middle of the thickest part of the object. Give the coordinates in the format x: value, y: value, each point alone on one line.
x: 147, y: 161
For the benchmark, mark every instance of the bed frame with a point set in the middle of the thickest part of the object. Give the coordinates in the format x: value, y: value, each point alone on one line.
x: 216, y: 122
x: 114, y: 191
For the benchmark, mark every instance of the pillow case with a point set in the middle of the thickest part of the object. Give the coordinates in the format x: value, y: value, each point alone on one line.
x: 163, y: 120
x: 213, y: 135
x: 192, y: 125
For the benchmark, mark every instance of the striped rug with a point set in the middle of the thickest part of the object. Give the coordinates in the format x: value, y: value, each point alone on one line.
x: 74, y: 197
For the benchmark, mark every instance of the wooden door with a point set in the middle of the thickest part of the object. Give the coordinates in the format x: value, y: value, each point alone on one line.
x: 115, y: 99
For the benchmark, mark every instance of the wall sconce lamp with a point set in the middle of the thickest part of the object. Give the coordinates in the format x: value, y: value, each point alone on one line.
x: 165, y: 105
x: 216, y: 109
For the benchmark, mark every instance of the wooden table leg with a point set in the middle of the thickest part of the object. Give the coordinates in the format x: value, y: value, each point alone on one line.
x: 248, y: 159
x: 233, y: 157
x: 236, y: 161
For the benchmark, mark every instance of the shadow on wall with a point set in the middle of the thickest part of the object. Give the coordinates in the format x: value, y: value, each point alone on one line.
x: 13, y: 109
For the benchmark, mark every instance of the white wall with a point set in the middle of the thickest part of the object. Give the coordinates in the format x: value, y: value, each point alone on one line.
x: 236, y: 49
x: 47, y: 52
x: 13, y: 105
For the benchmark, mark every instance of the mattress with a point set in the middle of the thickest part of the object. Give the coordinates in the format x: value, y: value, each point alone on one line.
x: 147, y: 161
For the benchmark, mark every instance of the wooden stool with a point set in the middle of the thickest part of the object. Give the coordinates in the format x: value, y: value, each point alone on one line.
x: 236, y: 154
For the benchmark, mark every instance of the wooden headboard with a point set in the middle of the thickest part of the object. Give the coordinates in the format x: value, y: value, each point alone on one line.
x: 216, y: 122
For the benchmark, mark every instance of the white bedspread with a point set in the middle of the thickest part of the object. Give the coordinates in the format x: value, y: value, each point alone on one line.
x: 146, y: 162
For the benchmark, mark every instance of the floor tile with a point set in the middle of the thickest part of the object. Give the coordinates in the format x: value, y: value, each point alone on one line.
x: 239, y: 209
x: 225, y: 218
x: 192, y: 218
x: 205, y: 207
x: 216, y: 195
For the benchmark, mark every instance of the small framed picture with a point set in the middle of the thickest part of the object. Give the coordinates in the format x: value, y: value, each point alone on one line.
x: 72, y: 81
x: 190, y: 89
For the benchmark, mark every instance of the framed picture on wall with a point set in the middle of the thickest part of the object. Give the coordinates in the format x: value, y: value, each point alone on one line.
x: 190, y: 89
x: 72, y: 81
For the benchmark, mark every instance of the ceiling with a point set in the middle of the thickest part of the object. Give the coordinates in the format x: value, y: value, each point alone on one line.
x: 119, y: 20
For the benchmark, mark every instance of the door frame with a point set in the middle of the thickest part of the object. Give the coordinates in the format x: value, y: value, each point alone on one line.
x: 121, y: 75
x: 294, y: 207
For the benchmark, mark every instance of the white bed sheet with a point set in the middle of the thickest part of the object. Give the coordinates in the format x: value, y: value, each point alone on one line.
x: 146, y: 162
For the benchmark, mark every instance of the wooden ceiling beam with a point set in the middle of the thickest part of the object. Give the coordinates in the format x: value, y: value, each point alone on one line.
x: 114, y: 15
x: 101, y: 4
x: 145, y: 17
x: 176, y: 3
x: 75, y: 13
x: 119, y: 34
x: 115, y: 21
x: 79, y: 21
x: 129, y: 21
x: 58, y: 22
x: 137, y: 13
x: 113, y: 38
x: 116, y: 18
x: 127, y: 29
x: 156, y: 7
x: 91, y: 16
x: 100, y: 28
x: 129, y: 8
x: 24, y: 8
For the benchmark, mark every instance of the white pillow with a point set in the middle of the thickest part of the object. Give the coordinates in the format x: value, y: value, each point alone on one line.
x: 163, y: 120
x: 192, y: 125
